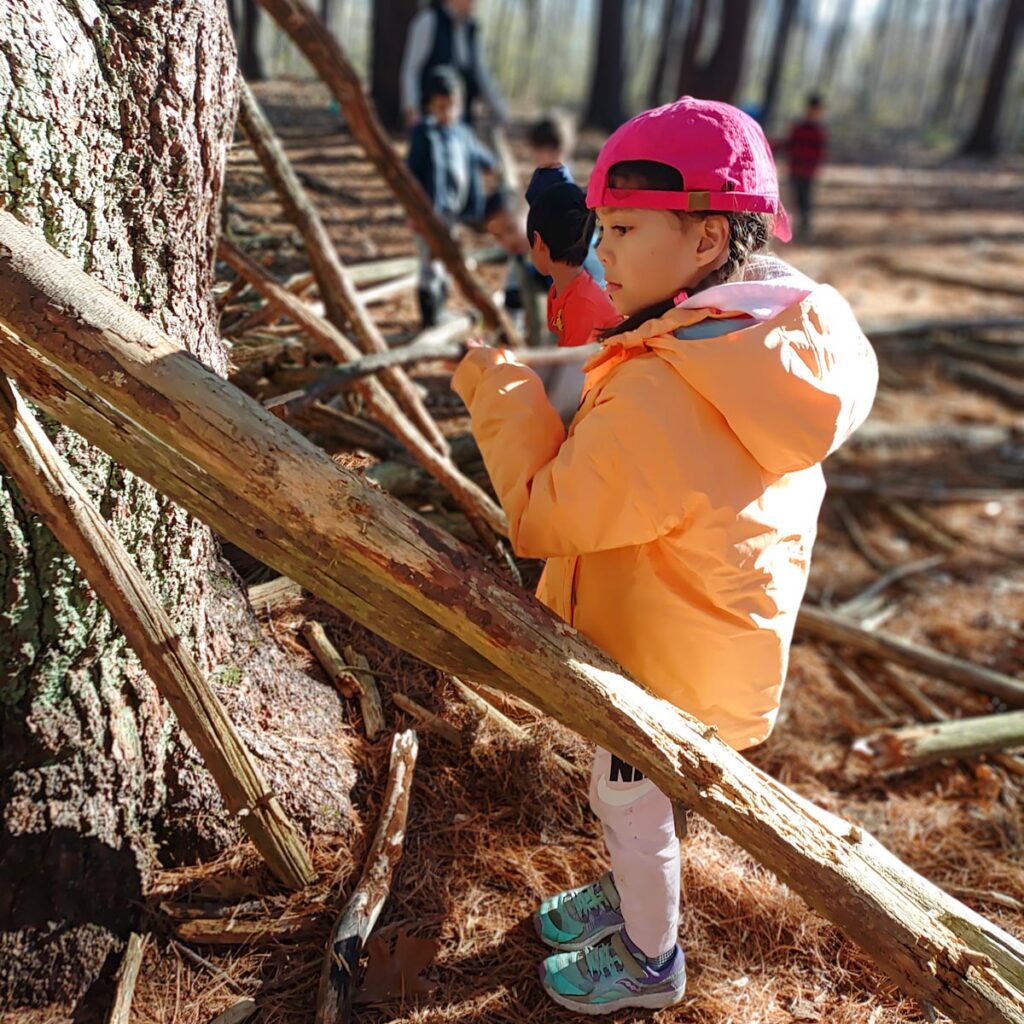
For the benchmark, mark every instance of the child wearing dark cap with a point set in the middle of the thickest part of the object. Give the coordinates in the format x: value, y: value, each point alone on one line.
x: 559, y: 228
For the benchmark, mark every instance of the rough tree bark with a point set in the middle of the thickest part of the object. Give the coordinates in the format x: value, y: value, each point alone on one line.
x: 94, y: 363
x: 114, y: 124
x: 389, y: 28
x: 604, y: 108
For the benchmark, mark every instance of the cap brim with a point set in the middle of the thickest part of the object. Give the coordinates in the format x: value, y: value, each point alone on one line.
x: 782, y: 229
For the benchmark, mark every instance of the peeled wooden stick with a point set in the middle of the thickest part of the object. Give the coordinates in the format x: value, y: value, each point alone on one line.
x: 330, y: 660
x: 502, y: 721
x: 369, y: 695
x: 917, y: 745
x: 340, y: 296
x: 427, y: 719
x: 835, y: 629
x: 65, y: 507
x: 379, y: 402
x: 127, y: 975
x: 356, y: 921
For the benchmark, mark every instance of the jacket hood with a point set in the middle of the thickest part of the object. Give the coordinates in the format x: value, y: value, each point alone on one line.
x: 792, y: 387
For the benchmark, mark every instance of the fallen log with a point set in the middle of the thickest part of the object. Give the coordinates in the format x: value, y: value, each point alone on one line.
x: 936, y: 490
x: 1006, y: 388
x: 895, y: 574
x: 127, y: 975
x: 380, y: 404
x: 99, y: 367
x: 339, y: 294
x: 929, y: 711
x: 914, y: 746
x: 375, y: 271
x: 824, y: 625
x: 329, y: 60
x: 878, y: 330
x: 265, y: 597
x: 356, y: 921
x: 61, y: 502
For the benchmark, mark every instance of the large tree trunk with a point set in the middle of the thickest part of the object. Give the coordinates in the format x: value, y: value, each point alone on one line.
x: 604, y: 108
x: 719, y: 79
x: 783, y: 30
x: 390, y: 25
x: 114, y: 129
x: 982, y: 140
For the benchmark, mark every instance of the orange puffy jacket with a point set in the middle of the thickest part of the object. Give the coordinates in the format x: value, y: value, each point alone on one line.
x: 678, y: 515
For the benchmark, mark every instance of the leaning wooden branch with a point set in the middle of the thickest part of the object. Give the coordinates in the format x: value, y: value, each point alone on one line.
x: 341, y: 299
x: 64, y: 505
x: 379, y: 402
x: 356, y: 921
x: 331, y: 62
x: 825, y: 626
x: 916, y: 745
x: 101, y: 368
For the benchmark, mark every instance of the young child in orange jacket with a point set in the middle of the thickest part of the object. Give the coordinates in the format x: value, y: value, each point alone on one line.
x: 678, y: 514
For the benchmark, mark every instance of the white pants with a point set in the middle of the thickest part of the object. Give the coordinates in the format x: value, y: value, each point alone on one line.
x: 640, y: 833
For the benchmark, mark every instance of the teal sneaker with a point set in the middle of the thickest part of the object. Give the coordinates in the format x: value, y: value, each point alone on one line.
x: 612, y: 976
x: 578, y: 918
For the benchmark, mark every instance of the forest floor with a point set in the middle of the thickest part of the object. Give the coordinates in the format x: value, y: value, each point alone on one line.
x: 495, y: 825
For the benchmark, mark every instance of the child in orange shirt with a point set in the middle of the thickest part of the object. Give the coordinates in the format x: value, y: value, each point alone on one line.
x: 559, y: 228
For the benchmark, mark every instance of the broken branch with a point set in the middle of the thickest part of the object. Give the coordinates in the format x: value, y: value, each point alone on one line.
x: 356, y: 921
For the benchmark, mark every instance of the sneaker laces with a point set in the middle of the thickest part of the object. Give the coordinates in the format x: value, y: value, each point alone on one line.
x: 602, y: 960
x: 588, y: 902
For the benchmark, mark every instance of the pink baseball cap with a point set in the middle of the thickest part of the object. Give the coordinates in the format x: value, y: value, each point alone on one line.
x: 722, y: 154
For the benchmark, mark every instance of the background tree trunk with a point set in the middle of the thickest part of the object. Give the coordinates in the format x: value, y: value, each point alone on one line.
x: 604, y: 108
x: 113, y: 147
x: 982, y: 140
x: 390, y: 26
x: 249, y: 59
x: 783, y: 31
x: 719, y: 79
x: 671, y: 14
x: 691, y: 45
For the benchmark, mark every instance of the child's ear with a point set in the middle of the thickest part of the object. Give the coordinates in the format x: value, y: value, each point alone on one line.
x: 713, y: 241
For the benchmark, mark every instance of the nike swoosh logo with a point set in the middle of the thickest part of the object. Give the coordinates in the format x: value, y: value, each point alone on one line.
x: 622, y: 797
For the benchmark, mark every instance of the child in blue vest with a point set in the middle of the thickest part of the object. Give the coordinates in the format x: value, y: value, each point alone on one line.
x: 445, y: 33
x: 448, y: 160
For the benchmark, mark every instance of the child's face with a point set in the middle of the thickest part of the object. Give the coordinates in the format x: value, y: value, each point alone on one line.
x: 444, y: 109
x: 508, y: 231
x: 651, y: 255
x: 547, y: 156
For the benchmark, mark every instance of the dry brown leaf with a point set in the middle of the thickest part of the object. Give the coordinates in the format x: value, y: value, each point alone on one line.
x: 394, y: 968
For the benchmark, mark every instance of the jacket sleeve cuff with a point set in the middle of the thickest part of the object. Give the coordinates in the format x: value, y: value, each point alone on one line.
x: 476, y: 363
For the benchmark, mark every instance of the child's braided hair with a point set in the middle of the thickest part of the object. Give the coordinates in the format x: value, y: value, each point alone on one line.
x: 749, y: 233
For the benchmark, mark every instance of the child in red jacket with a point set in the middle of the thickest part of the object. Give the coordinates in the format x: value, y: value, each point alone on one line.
x: 559, y: 228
